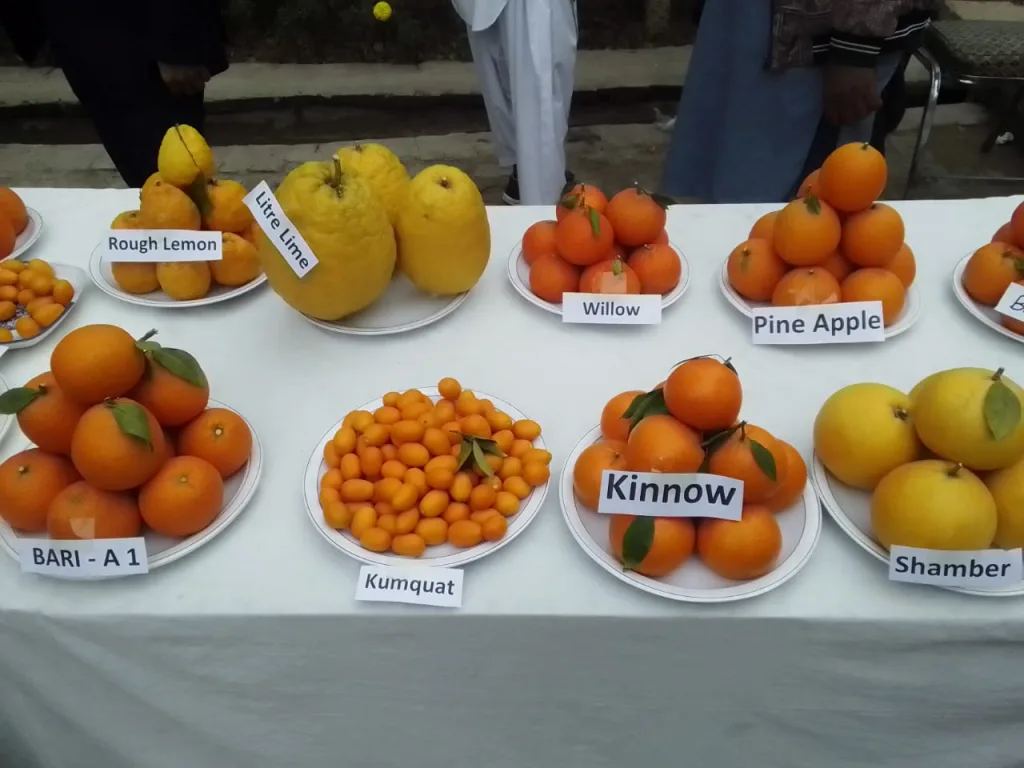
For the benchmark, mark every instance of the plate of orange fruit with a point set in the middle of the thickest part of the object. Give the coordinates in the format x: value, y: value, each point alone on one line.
x: 20, y: 226
x: 121, y: 439
x: 442, y: 476
x: 597, y: 245
x: 35, y: 297
x: 981, y: 278
x: 833, y: 243
x: 688, y: 424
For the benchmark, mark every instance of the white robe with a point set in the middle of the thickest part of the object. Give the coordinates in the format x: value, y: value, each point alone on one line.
x: 525, y: 56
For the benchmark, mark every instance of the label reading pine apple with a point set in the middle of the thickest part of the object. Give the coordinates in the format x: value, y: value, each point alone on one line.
x: 84, y: 560
x: 611, y: 308
x: 415, y: 585
x: 652, y: 494
x: 1012, y: 302
x: 977, y: 569
x: 150, y: 245
x: 852, y: 323
x: 279, y: 229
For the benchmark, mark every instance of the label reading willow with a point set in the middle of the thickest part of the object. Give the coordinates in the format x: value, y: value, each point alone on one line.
x: 279, y: 229
x: 652, y: 494
x: 611, y: 308
x: 1012, y: 302
x: 851, y: 323
x: 83, y: 560
x: 438, y: 587
x: 151, y: 245
x: 978, y: 569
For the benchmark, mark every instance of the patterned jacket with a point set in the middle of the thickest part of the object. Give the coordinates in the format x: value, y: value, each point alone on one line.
x: 854, y: 32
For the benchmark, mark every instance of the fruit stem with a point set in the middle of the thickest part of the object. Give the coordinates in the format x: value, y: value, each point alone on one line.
x: 954, y: 470
x: 998, y: 374
x: 900, y: 412
x: 337, y: 176
x: 147, y: 336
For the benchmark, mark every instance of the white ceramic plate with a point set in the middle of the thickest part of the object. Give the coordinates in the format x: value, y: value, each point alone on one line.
x: 911, y: 308
x: 403, y: 307
x: 851, y: 510
x: 986, y: 315
x: 693, y: 582
x: 101, y: 274
x: 238, y: 492
x: 29, y: 234
x: 78, y: 281
x: 441, y: 556
x: 519, y: 276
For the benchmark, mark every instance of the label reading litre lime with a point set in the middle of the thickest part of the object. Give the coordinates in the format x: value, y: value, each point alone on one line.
x: 279, y: 229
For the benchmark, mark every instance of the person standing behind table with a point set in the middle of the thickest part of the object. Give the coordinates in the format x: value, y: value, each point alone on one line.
x: 763, y: 76
x: 138, y: 67
x: 525, y: 56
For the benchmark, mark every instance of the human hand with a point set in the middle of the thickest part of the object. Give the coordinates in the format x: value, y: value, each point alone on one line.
x: 184, y: 79
x: 850, y: 94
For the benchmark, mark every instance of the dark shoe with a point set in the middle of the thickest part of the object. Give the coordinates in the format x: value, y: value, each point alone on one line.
x: 511, y: 194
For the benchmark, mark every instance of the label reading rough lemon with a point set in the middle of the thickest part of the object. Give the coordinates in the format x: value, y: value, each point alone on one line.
x: 153, y: 245
x: 279, y: 229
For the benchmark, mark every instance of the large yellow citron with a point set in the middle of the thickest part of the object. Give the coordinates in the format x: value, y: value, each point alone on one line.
x: 382, y: 171
x: 183, y: 156
x: 443, y: 232
x: 933, y: 504
x: 347, y: 229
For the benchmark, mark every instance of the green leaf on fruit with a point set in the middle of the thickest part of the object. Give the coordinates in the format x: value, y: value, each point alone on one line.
x: 650, y: 404
x: 474, y: 451
x: 489, y: 447
x: 1002, y: 410
x: 15, y: 400
x: 569, y: 202
x: 131, y: 420
x: 465, y: 453
x: 181, y: 364
x: 637, y: 542
x: 662, y: 200
x: 566, y: 189
x: 813, y: 204
x: 595, y: 222
x: 480, y: 459
x: 764, y: 460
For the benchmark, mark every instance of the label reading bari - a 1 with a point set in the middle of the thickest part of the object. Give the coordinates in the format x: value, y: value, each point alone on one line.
x: 611, y: 308
x: 1012, y: 302
x: 151, y: 245
x: 415, y: 585
x: 652, y: 494
x: 279, y: 229
x: 86, y: 559
x: 851, y: 323
x: 977, y: 569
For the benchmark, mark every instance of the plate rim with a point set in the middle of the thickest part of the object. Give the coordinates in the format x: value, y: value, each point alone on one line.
x: 971, y: 306
x: 348, y: 330
x: 235, y: 506
x: 81, y: 277
x: 310, y: 497
x: 37, y: 220
x: 511, y: 270
x: 908, y: 317
x: 95, y: 270
x: 796, y: 561
x: 819, y: 478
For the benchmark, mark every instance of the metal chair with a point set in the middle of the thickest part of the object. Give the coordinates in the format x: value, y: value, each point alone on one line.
x: 985, y: 53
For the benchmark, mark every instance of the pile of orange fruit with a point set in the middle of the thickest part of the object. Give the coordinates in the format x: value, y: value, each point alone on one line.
x: 691, y: 423
x: 13, y: 220
x: 597, y: 245
x: 414, y: 473
x: 833, y: 243
x: 32, y: 297
x: 123, y: 439
x: 996, y: 265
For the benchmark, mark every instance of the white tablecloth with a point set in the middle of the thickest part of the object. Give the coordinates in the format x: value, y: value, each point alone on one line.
x: 252, y: 652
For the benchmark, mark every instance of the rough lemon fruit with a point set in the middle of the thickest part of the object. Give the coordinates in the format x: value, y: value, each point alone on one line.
x: 126, y: 220
x: 443, y: 230
x: 240, y: 263
x: 1007, y: 488
x: 933, y: 504
x: 183, y: 156
x: 184, y: 280
x: 226, y: 212
x: 953, y: 421
x: 863, y: 432
x: 347, y: 229
x: 164, y: 206
x: 135, y: 278
x: 382, y: 171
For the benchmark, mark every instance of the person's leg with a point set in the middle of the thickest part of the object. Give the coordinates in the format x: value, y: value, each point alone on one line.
x: 491, y: 63
x: 540, y: 43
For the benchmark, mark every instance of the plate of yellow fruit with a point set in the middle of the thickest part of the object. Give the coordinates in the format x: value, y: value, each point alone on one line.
x: 35, y: 297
